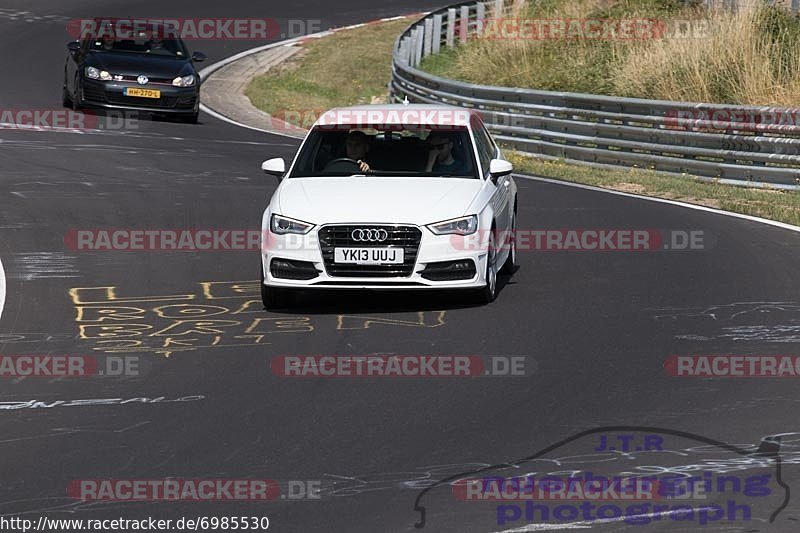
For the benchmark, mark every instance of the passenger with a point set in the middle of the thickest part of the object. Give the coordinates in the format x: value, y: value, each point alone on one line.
x: 440, y: 157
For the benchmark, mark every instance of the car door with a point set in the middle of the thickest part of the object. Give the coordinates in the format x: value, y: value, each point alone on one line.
x: 501, y: 197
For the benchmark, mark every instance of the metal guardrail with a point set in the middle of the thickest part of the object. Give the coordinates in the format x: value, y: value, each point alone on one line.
x: 741, y: 143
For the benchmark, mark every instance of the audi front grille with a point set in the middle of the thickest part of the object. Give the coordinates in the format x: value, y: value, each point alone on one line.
x: 406, y: 237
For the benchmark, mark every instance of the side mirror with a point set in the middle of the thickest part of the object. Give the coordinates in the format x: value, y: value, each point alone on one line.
x: 499, y: 168
x: 276, y: 167
x: 199, y: 56
x: 74, y: 46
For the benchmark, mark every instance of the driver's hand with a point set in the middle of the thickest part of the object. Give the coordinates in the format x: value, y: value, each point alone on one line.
x: 363, y: 166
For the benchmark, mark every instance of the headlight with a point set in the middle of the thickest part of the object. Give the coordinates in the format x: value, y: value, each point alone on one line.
x: 96, y: 74
x: 184, y: 81
x: 281, y: 225
x: 456, y: 226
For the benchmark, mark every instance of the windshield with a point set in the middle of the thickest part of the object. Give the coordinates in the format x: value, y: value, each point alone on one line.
x: 397, y: 151
x: 145, y: 43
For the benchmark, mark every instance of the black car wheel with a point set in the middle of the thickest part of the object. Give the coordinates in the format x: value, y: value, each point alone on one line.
x: 510, y: 266
x: 273, y: 297
x: 191, y: 118
x: 75, y: 99
x: 488, y: 293
x: 66, y: 101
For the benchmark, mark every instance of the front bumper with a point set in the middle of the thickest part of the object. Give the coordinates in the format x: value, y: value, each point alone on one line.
x: 109, y: 95
x: 304, y: 256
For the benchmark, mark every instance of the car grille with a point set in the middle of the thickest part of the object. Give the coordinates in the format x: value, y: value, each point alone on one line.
x: 94, y: 92
x: 407, y: 237
x: 134, y: 101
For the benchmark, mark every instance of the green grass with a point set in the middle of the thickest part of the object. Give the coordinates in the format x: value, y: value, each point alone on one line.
x: 347, y: 68
x: 773, y: 204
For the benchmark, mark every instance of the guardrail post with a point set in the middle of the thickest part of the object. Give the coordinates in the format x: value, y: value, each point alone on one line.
x: 420, y: 43
x: 451, y: 27
x: 463, y: 24
x: 426, y: 51
x: 436, y: 44
x: 417, y: 44
x: 481, y: 17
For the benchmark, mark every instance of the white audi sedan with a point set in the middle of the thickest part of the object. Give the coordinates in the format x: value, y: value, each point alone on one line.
x: 390, y: 197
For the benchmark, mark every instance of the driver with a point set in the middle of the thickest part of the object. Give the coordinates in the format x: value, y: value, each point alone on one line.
x: 108, y: 43
x: 357, y: 147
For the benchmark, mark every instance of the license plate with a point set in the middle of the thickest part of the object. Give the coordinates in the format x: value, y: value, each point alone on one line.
x: 369, y: 256
x: 142, y: 93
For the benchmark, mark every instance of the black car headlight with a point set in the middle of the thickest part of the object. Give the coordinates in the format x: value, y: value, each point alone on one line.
x: 97, y: 74
x: 184, y: 81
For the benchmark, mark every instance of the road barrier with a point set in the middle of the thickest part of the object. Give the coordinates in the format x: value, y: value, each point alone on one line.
x: 740, y: 143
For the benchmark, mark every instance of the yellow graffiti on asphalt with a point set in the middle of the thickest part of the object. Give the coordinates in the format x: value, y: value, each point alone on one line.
x: 216, y: 316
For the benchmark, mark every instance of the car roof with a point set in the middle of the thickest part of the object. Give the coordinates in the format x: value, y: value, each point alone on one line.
x: 397, y: 115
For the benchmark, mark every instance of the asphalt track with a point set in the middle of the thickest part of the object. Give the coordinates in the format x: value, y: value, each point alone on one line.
x: 595, y: 326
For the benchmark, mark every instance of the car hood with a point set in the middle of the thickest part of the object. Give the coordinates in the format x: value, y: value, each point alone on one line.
x: 376, y: 199
x: 135, y: 64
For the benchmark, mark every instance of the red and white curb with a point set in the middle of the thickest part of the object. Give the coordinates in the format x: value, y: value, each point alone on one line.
x: 209, y: 70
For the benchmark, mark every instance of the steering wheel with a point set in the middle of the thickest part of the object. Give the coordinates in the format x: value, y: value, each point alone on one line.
x: 343, y: 164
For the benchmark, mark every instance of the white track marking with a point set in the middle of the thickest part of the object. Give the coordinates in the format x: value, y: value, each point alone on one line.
x: 2, y: 288
x: 751, y: 218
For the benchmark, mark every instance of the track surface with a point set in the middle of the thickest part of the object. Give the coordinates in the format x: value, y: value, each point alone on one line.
x: 598, y: 326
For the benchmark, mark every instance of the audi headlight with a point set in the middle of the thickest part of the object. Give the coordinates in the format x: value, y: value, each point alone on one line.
x: 97, y: 74
x: 456, y: 226
x: 184, y: 81
x: 281, y: 225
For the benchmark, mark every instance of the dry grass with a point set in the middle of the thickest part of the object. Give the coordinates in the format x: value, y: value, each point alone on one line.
x: 750, y: 57
x: 744, y: 58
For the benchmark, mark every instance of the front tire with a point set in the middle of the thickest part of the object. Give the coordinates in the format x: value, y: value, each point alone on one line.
x: 66, y: 99
x: 75, y: 99
x: 190, y: 118
x: 510, y: 266
x: 488, y: 293
x: 273, y: 297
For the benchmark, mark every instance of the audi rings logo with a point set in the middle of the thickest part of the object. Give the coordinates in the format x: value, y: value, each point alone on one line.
x: 369, y: 235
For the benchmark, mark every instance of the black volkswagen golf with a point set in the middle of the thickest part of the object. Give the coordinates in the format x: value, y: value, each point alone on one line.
x: 150, y: 69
